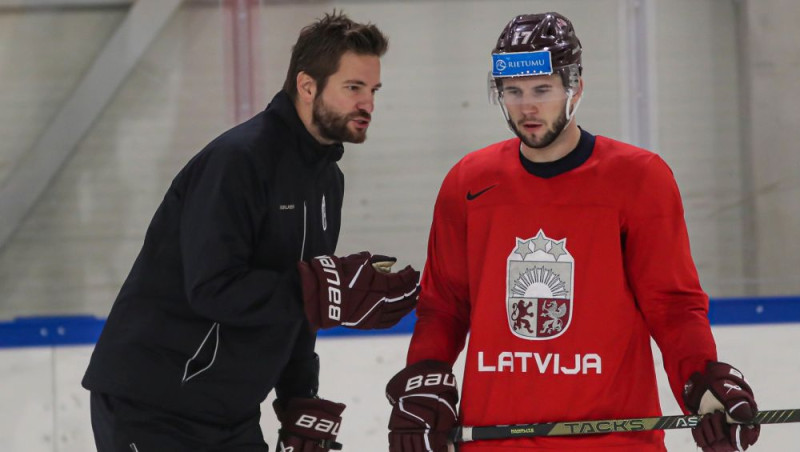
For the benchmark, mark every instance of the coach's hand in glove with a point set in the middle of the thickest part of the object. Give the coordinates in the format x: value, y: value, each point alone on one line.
x: 726, y: 402
x: 308, y: 425
x: 424, y: 397
x: 357, y: 291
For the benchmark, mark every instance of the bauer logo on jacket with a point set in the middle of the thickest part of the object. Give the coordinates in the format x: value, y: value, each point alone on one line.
x: 539, y: 287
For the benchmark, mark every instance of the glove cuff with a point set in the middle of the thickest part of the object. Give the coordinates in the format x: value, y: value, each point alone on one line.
x: 324, y: 444
x: 693, y: 391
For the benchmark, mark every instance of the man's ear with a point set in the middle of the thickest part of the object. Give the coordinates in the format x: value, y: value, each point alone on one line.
x: 306, y: 88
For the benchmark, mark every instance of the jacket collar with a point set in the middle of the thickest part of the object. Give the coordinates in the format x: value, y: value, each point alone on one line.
x: 308, y: 147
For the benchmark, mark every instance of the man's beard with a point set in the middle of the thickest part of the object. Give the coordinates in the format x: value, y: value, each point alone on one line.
x: 548, y: 138
x: 333, y: 125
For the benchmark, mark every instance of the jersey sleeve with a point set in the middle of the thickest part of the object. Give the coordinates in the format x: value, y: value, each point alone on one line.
x: 663, y: 276
x: 443, y: 308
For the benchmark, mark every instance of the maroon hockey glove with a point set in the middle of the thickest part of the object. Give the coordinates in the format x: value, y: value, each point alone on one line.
x: 308, y: 425
x: 424, y: 397
x: 726, y: 402
x: 357, y: 291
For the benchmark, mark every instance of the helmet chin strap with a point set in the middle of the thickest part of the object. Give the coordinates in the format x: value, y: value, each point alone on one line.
x: 571, y: 114
x: 508, y: 117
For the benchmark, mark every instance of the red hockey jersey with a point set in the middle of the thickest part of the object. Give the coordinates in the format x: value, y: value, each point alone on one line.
x: 560, y: 283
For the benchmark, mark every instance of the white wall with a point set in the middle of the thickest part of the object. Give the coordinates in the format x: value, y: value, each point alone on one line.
x: 44, y: 409
x: 75, y: 247
x: 770, y: 91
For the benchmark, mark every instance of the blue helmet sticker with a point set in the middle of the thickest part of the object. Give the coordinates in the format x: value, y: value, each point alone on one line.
x: 522, y: 64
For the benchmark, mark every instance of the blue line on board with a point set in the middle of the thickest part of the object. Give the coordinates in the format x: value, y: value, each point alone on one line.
x: 85, y: 329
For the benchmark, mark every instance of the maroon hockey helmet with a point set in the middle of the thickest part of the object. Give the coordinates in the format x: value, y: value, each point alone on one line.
x: 547, y: 31
x: 550, y: 32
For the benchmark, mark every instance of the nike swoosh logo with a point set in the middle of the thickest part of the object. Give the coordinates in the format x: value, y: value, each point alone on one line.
x: 471, y: 196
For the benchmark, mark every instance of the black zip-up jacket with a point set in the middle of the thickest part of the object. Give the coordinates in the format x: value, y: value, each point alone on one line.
x: 210, y: 318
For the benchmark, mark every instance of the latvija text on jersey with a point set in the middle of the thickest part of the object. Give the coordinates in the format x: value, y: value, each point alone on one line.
x: 543, y: 363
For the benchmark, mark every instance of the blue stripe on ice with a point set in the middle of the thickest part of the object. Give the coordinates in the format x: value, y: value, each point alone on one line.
x: 83, y: 329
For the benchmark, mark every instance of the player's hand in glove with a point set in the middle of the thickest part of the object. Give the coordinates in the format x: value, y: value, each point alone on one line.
x: 308, y: 425
x: 357, y: 291
x: 725, y: 400
x: 424, y: 398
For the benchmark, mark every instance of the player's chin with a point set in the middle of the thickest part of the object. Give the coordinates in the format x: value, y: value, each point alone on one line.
x: 357, y: 135
x: 533, y: 140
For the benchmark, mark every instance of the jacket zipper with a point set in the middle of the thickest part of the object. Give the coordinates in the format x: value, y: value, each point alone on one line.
x: 305, y: 231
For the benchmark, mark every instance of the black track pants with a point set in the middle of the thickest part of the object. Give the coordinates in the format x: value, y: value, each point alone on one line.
x: 124, y: 426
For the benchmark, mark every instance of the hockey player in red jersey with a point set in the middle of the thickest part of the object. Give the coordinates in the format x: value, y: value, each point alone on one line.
x: 561, y: 253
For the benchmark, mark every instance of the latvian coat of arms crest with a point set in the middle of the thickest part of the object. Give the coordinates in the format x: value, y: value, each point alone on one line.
x: 539, y: 287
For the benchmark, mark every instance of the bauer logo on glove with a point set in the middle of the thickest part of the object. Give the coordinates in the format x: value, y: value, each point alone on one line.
x: 357, y: 291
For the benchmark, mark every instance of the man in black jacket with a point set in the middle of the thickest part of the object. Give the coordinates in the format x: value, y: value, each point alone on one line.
x: 237, y: 272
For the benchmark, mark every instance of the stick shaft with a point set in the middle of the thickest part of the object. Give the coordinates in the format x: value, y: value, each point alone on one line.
x: 472, y: 433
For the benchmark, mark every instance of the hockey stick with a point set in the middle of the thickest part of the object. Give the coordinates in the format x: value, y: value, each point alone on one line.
x: 463, y: 434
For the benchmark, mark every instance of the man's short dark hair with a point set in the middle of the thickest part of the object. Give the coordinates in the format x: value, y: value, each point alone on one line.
x: 321, y: 45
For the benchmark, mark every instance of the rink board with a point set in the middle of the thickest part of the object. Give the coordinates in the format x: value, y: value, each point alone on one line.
x: 46, y: 410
